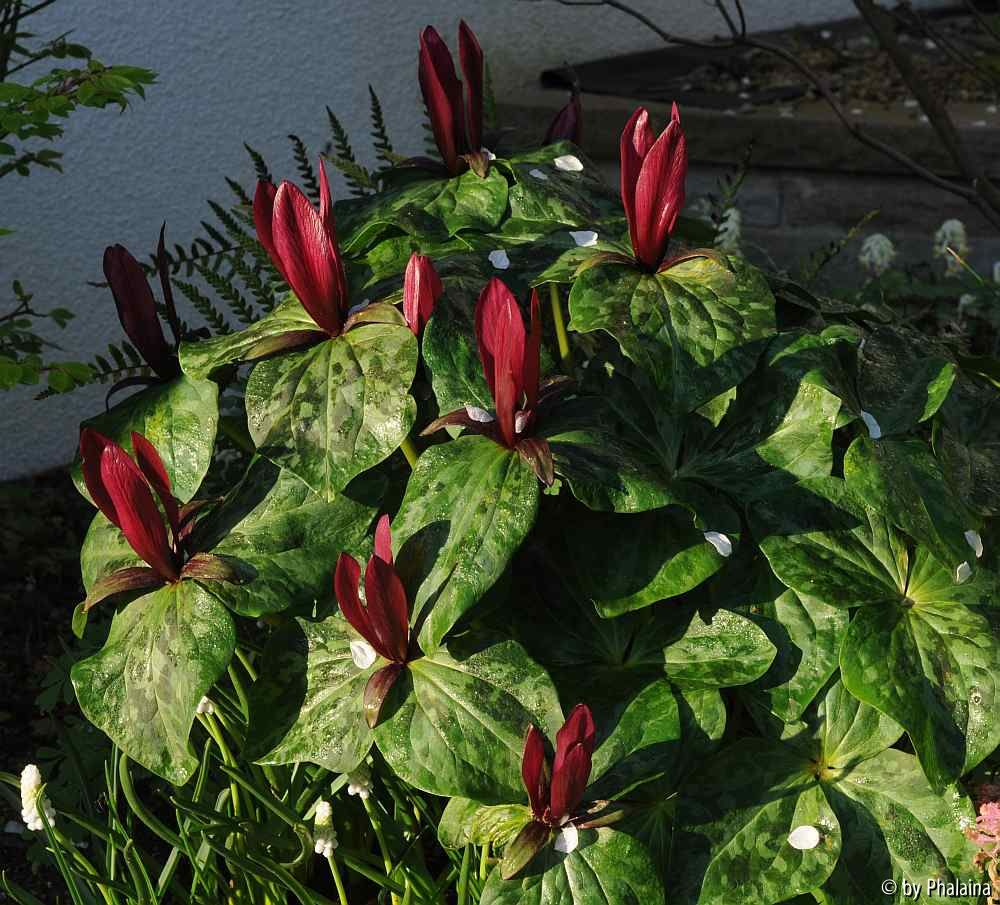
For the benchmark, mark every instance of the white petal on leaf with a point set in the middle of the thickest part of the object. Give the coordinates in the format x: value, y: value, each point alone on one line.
x: 974, y: 540
x: 804, y: 838
x: 874, y: 429
x: 568, y: 162
x: 499, y: 259
x: 489, y: 154
x: 538, y: 174
x: 723, y: 545
x: 584, y: 237
x: 963, y: 572
x: 362, y: 654
x: 479, y: 415
x: 568, y: 839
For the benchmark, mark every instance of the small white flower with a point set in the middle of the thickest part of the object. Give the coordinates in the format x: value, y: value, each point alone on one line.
x: 362, y: 653
x: 964, y: 822
x: 723, y: 545
x: 804, y: 838
x: 730, y: 228
x: 963, y: 572
x: 359, y: 782
x: 479, y: 415
x: 923, y: 118
x: 874, y: 429
x: 568, y: 839
x: 930, y: 45
x: 974, y: 540
x: 32, y: 800
x: 877, y: 254
x: 520, y: 422
x: 951, y: 234
x: 584, y: 237
x: 205, y: 706
x: 324, y: 835
x: 568, y: 162
x: 499, y: 259
x: 364, y: 303
x: 538, y: 174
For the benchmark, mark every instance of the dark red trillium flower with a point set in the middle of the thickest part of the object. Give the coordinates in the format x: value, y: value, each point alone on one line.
x: 421, y: 290
x: 382, y: 619
x: 554, y: 796
x: 137, y: 307
x: 652, y: 184
x: 567, y: 125
x: 126, y: 490
x: 510, y: 358
x: 302, y: 244
x: 457, y: 126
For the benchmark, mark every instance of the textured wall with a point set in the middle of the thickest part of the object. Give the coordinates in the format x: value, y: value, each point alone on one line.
x: 253, y: 70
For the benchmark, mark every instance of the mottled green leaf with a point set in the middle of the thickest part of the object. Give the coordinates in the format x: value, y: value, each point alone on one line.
x: 469, y: 504
x: 308, y: 704
x: 163, y: 653
x: 335, y: 410
x: 179, y: 418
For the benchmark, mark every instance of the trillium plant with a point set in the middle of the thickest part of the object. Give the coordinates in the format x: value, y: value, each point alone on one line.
x: 655, y: 576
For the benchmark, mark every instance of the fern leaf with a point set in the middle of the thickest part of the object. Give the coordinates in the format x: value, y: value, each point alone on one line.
x: 259, y: 164
x: 204, y: 306
x: 341, y: 144
x: 306, y: 172
x: 380, y: 136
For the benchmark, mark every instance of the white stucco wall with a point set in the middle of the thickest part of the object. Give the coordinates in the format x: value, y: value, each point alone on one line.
x: 255, y: 70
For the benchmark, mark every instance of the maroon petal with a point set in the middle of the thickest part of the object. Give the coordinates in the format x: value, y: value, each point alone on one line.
x: 500, y: 332
x: 461, y: 418
x: 151, y: 465
x: 377, y: 690
x: 442, y: 93
x: 383, y: 540
x: 263, y: 217
x: 522, y: 848
x: 533, y: 771
x: 538, y: 454
x: 330, y: 226
x: 659, y: 193
x: 345, y: 586
x: 92, y: 445
x: 637, y: 138
x: 569, y: 782
x: 137, y: 309
x: 470, y: 56
x: 388, y: 613
x: 579, y: 730
x: 133, y: 578
x: 567, y: 125
x: 310, y: 258
x: 212, y: 567
x: 421, y: 290
x: 141, y: 522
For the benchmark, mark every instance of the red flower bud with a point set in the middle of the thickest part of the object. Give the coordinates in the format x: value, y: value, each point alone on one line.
x: 567, y: 125
x: 553, y: 801
x: 421, y: 290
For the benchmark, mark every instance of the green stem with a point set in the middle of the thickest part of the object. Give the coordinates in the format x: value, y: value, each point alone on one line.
x: 462, y: 892
x: 410, y: 451
x: 208, y: 721
x: 383, y: 847
x: 338, y: 881
x: 484, y: 862
x: 561, y: 337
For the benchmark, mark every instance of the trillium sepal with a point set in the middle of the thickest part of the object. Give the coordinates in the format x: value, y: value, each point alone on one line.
x: 511, y: 363
x: 555, y: 795
x: 126, y: 491
x: 382, y: 620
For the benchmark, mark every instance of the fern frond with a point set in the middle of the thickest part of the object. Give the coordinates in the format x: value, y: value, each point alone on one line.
x: 228, y: 292
x: 204, y: 306
x: 259, y: 164
x: 826, y: 253
x: 359, y: 180
x: 251, y: 277
x: 380, y: 136
x: 239, y: 192
x: 341, y: 144
x: 306, y: 172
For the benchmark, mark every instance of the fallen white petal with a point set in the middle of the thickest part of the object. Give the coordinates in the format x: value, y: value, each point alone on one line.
x: 477, y: 414
x: 874, y: 431
x: 489, y: 154
x: 804, y: 838
x: 974, y: 540
x: 723, y: 545
x: 205, y: 706
x: 963, y: 572
x: 362, y: 654
x: 568, y: 839
x: 538, y: 174
x: 568, y: 162
x: 584, y: 237
x: 520, y: 422
x: 499, y: 259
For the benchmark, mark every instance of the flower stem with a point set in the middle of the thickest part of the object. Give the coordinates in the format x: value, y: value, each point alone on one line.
x: 337, y: 879
x: 380, y: 837
x: 410, y: 451
x: 561, y: 337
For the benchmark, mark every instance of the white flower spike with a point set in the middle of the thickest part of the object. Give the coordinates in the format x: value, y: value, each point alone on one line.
x: 362, y: 653
x: 584, y: 237
x: 499, y: 259
x: 804, y: 838
x: 324, y: 836
x: 730, y: 231
x: 975, y: 540
x: 359, y: 782
x: 33, y: 803
x: 570, y: 163
x: 877, y: 254
x: 723, y: 545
